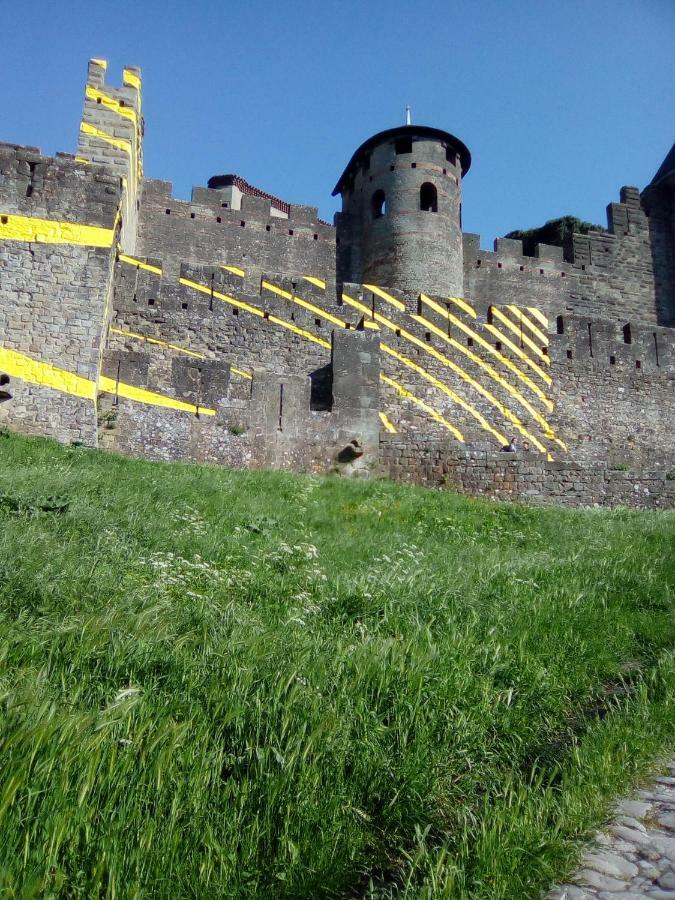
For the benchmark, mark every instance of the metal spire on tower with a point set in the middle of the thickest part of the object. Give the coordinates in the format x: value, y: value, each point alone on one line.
x: 408, y: 116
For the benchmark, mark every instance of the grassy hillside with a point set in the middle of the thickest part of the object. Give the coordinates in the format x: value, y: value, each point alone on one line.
x: 231, y: 684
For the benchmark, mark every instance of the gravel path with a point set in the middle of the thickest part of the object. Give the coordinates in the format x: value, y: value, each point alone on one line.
x: 635, y: 857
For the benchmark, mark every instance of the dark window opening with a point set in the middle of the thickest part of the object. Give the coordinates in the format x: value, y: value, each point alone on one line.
x: 445, y: 171
x: 612, y: 360
x: 498, y: 346
x: 560, y: 325
x: 192, y: 215
x: 469, y: 342
x: 427, y: 336
x: 627, y: 337
x: 638, y: 364
x: 499, y: 265
x: 290, y: 231
x: 656, y: 350
x: 428, y: 197
x: 98, y: 100
x: 451, y: 156
x: 522, y: 268
x: 321, y: 389
x: 590, y: 339
x: 478, y: 262
x: 489, y: 315
x: 4, y: 220
x: 243, y: 224
x: 316, y: 237
x: 151, y: 301
x: 29, y: 190
x: 224, y: 205
x: 569, y: 354
x: 168, y: 212
x: 317, y: 322
x: 218, y: 219
x: 268, y: 227
x: 184, y: 306
x: 403, y: 145
x: 413, y: 165
x: 378, y: 204
x: 235, y: 311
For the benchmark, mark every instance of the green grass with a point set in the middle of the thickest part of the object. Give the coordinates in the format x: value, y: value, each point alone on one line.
x: 245, y: 684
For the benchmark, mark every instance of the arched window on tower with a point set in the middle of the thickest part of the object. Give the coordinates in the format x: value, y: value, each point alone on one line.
x: 428, y: 197
x: 378, y: 204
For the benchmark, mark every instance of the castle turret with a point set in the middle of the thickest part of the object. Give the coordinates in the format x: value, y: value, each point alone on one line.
x: 400, y: 224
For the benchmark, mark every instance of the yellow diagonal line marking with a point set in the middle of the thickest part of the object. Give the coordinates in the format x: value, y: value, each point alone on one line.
x: 317, y: 282
x: 151, y: 340
x: 523, y: 337
x: 127, y: 112
x: 534, y: 387
x: 49, y: 231
x: 514, y: 348
x: 317, y: 310
x: 387, y: 424
x: 408, y: 395
x: 254, y: 310
x: 119, y: 143
x: 385, y: 296
x: 458, y: 370
x: 538, y: 314
x: 34, y: 371
x: 132, y: 261
x: 463, y: 305
x: 235, y: 270
x: 140, y: 395
x: 539, y: 419
x: 528, y: 324
x: 446, y: 390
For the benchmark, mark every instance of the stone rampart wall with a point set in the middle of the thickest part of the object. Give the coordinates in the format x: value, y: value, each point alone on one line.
x: 523, y: 476
x: 205, y: 230
x: 57, y: 230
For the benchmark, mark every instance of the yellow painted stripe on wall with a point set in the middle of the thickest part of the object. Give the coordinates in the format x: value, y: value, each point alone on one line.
x: 161, y: 343
x: 394, y: 301
x: 103, y: 99
x: 514, y: 348
x: 317, y: 282
x: 119, y: 143
x: 152, y: 340
x: 103, y: 63
x: 482, y: 421
x: 33, y: 371
x: 408, y: 395
x: 140, y: 395
x: 519, y: 332
x: 539, y: 419
x: 317, y: 310
x: 463, y: 374
x: 510, y: 365
x: 254, y: 310
x: 49, y: 231
x: 463, y: 305
x: 132, y: 261
x: 539, y: 315
x: 387, y: 424
x: 520, y: 315
x: 131, y: 79
x: 235, y: 270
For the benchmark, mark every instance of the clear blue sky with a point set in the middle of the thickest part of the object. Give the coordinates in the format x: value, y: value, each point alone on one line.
x: 560, y: 101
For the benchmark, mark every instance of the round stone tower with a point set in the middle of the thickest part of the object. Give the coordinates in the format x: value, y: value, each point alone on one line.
x: 400, y: 224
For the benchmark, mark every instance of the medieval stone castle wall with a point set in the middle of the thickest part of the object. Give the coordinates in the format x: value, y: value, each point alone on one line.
x: 239, y: 329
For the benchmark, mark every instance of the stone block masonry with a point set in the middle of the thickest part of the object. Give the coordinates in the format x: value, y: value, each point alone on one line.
x: 240, y: 329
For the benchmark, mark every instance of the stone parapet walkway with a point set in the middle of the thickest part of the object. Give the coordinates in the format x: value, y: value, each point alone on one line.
x: 635, y: 857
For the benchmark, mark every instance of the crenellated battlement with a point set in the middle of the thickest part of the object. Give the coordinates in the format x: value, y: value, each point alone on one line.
x: 56, y: 187
x: 238, y: 328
